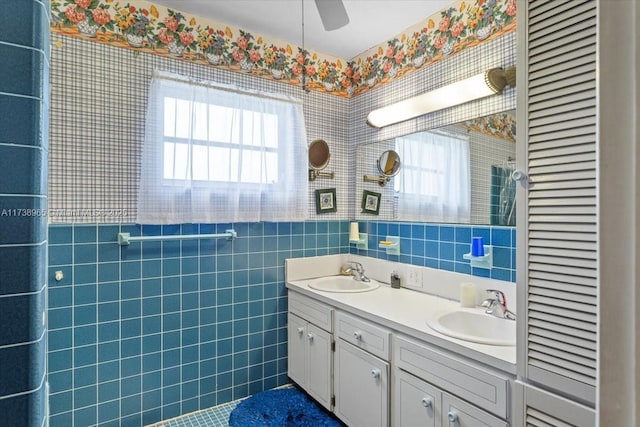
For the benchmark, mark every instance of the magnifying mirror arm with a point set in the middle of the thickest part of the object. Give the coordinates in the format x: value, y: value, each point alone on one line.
x: 388, y: 165
x: 314, y: 174
x: 381, y: 180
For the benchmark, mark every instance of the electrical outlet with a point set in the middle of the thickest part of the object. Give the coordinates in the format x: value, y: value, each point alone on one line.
x: 414, y: 277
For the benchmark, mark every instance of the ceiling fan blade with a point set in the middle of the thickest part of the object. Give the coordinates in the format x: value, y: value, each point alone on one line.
x: 332, y: 13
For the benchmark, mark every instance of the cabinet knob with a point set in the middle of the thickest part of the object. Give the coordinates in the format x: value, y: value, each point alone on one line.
x: 518, y: 175
x: 375, y: 373
x: 427, y: 402
x: 453, y: 417
x: 310, y: 336
x: 357, y: 335
x: 300, y: 331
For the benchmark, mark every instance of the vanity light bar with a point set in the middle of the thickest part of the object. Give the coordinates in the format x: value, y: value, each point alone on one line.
x: 479, y: 86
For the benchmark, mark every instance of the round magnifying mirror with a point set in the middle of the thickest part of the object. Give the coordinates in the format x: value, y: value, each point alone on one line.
x: 319, y: 154
x: 389, y: 163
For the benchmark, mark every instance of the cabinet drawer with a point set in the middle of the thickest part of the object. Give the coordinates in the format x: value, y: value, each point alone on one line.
x: 459, y: 413
x: 487, y: 389
x: 363, y: 334
x: 311, y: 310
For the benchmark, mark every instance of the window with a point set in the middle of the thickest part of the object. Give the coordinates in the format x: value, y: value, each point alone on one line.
x: 214, y: 143
x: 219, y: 154
x: 434, y: 180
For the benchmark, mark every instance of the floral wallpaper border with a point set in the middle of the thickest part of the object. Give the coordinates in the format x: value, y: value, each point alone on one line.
x: 501, y: 125
x: 145, y: 27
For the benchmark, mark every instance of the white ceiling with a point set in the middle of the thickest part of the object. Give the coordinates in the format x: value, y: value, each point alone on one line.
x: 371, y: 21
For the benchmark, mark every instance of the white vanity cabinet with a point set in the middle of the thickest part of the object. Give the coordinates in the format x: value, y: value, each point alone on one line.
x: 362, y: 372
x: 310, y: 347
x: 435, y: 388
x: 380, y: 375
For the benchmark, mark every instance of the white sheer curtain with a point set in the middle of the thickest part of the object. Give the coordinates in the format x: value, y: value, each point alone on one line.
x: 434, y: 181
x: 215, y: 153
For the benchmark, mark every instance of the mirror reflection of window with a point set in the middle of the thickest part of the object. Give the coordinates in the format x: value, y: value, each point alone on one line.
x: 434, y: 184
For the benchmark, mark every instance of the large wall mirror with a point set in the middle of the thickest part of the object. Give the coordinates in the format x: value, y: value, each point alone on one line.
x: 467, y: 164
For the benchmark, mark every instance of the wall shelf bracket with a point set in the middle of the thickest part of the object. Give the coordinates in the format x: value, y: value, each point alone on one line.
x: 485, y: 261
x: 363, y: 242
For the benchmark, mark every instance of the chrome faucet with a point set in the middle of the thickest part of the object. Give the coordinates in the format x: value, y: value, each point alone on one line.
x: 356, y: 270
x: 497, y: 305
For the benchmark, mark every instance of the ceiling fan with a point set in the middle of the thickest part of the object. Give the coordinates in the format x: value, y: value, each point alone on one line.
x: 332, y: 13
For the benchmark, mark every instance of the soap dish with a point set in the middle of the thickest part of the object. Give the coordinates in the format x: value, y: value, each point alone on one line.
x: 391, y: 244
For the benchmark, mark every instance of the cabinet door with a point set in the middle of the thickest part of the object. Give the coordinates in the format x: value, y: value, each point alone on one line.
x: 416, y: 403
x: 542, y: 408
x: 456, y: 413
x: 319, y: 365
x: 558, y: 210
x: 296, y: 348
x: 483, y: 387
x: 361, y: 387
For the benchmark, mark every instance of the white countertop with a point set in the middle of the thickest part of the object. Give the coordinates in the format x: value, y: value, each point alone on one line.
x: 406, y: 311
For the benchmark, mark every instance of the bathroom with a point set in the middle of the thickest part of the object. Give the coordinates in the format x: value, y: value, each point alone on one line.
x: 135, y: 337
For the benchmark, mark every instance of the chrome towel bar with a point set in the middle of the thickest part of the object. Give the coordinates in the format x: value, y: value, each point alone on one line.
x: 125, y: 238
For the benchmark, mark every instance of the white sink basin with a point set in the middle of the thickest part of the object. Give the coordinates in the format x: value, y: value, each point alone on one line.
x: 342, y: 284
x: 475, y: 326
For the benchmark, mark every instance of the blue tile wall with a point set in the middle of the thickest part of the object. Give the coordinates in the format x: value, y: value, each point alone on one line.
x: 24, y: 75
x: 149, y: 331
x: 442, y: 246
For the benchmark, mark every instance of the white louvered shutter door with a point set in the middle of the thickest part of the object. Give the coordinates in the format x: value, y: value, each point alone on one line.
x: 561, y: 228
x: 547, y: 410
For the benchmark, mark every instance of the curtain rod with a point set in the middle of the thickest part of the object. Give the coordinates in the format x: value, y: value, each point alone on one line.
x: 448, y: 133
x: 166, y: 75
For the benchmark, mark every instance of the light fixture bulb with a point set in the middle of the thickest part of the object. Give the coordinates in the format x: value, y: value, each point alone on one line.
x: 479, y: 86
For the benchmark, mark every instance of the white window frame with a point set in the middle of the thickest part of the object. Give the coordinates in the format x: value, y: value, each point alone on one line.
x: 240, y: 146
x: 230, y: 194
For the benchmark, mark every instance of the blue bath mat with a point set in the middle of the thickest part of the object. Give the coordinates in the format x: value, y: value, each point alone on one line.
x: 279, y: 408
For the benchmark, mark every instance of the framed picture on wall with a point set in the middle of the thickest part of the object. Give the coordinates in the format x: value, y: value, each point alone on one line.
x: 326, y: 201
x: 371, y: 202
